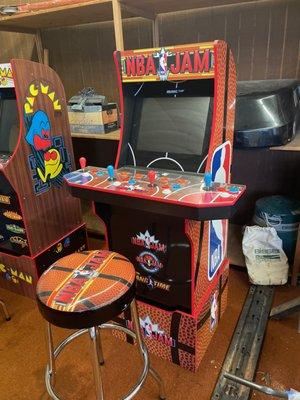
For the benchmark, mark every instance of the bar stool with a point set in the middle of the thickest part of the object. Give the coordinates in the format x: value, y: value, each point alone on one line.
x: 85, y: 291
x: 7, y: 316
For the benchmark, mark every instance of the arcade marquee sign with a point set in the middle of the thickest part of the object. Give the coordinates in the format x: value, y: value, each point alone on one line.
x: 168, y: 63
x: 6, y: 78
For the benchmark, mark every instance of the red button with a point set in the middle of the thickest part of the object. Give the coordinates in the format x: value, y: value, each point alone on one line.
x: 181, y: 181
x: 151, y: 176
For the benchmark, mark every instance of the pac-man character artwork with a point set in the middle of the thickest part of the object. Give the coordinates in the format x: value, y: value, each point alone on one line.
x: 50, y: 159
x: 38, y: 134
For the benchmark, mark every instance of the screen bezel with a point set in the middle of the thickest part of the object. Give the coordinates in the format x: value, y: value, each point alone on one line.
x: 133, y: 98
x: 183, y: 132
x: 9, y: 94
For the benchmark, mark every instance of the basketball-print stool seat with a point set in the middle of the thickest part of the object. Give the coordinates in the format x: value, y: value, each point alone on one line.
x: 85, y: 291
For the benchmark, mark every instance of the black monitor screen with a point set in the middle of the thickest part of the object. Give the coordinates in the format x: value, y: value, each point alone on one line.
x: 9, y: 123
x: 174, y: 124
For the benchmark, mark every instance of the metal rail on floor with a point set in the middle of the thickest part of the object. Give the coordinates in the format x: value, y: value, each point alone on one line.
x: 243, y: 353
x: 252, y: 385
x: 286, y: 309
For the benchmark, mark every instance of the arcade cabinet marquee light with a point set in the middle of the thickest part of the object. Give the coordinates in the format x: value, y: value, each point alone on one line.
x: 166, y: 202
x: 184, y: 62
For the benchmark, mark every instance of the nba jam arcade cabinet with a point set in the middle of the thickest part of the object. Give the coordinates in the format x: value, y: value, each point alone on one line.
x: 160, y: 209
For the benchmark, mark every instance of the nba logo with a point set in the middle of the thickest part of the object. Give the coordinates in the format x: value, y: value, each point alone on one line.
x: 213, y: 312
x: 220, y: 164
x: 217, y: 233
x: 217, y: 229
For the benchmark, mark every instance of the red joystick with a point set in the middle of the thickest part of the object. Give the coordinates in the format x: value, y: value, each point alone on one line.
x: 82, y: 162
x: 151, y: 177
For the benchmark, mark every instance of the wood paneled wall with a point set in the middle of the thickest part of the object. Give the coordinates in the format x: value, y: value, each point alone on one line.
x: 83, y: 56
x: 17, y: 45
x: 264, y: 36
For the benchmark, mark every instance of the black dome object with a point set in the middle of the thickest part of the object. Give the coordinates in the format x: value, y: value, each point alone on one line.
x: 267, y: 112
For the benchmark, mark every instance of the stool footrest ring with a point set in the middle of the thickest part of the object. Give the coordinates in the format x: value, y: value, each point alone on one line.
x: 112, y: 326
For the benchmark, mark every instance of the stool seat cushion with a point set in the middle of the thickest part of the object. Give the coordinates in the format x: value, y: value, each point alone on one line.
x: 86, y: 289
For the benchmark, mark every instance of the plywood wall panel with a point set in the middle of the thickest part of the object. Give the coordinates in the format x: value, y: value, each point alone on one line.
x: 277, y: 28
x: 258, y: 34
x: 232, y: 26
x: 137, y: 33
x: 172, y: 31
x: 16, y: 45
x: 292, y: 41
x: 204, y: 27
x: 82, y: 56
x: 247, y: 22
x: 218, y: 22
x: 261, y: 41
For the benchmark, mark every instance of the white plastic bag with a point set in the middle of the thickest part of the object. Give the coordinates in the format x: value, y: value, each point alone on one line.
x: 265, y: 259
x: 293, y: 395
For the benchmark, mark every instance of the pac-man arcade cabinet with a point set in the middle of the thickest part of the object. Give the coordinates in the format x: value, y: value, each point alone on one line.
x: 39, y: 220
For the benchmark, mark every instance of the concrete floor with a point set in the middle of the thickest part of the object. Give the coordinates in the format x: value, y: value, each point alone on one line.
x: 23, y: 356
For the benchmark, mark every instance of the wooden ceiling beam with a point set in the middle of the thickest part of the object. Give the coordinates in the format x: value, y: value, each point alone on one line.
x: 8, y: 28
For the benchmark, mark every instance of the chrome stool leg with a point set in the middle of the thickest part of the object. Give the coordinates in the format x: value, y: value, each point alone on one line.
x: 141, y: 344
x: 111, y: 326
x: 7, y: 316
x: 94, y: 335
x: 136, y: 388
x: 100, y: 350
x: 160, y: 382
x: 55, y: 354
x: 95, y: 341
x: 50, y: 353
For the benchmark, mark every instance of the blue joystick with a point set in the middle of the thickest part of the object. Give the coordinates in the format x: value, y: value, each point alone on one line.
x: 233, y: 189
x: 111, y: 172
x: 208, y: 180
x: 176, y: 186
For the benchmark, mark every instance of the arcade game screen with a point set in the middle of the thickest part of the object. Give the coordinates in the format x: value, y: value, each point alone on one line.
x: 173, y: 125
x: 9, y: 123
x: 172, y: 128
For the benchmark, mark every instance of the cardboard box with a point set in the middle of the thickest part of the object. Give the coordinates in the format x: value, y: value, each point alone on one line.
x: 94, y: 119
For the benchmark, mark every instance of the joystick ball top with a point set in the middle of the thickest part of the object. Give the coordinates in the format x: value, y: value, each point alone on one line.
x: 151, y: 176
x: 208, y: 180
x: 111, y: 172
x: 82, y: 162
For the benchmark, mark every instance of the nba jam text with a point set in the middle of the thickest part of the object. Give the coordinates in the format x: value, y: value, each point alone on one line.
x: 150, y: 330
x: 147, y: 260
x: 177, y: 62
x: 148, y: 241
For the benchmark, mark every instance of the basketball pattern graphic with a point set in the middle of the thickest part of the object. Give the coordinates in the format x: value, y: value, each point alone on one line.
x: 175, y: 336
x: 84, y: 281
